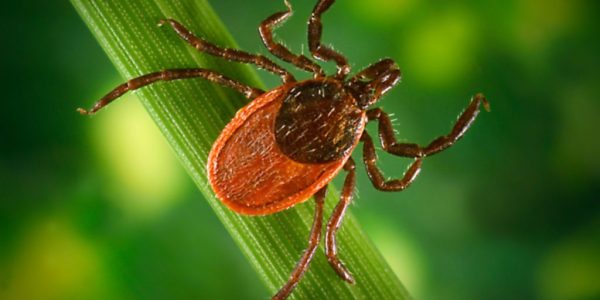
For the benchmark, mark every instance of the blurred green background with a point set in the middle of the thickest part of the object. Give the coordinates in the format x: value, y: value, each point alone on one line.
x: 100, y: 209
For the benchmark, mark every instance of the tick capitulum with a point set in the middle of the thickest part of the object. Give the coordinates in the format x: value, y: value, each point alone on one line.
x: 288, y: 143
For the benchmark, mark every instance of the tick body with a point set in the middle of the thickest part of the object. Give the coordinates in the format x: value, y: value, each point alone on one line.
x: 291, y: 141
x: 287, y: 144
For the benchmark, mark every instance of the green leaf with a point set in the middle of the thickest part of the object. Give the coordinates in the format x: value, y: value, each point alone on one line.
x: 191, y: 113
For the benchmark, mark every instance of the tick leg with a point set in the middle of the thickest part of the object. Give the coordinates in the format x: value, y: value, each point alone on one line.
x: 266, y: 33
x: 228, y: 53
x: 335, y: 221
x: 313, y: 242
x: 172, y: 74
x: 389, y: 143
x: 370, y: 159
x: 315, y: 29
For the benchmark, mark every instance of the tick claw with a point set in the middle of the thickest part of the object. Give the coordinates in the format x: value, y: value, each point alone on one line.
x: 161, y: 22
x: 82, y: 111
x: 484, y: 101
x: 486, y: 105
x: 289, y: 6
x: 348, y: 278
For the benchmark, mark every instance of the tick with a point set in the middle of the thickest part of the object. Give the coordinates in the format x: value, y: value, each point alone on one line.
x: 288, y: 143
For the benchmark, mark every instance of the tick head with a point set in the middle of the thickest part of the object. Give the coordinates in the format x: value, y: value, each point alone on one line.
x: 370, y: 84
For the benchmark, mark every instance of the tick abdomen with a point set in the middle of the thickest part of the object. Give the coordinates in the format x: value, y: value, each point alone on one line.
x: 318, y: 122
x: 250, y: 174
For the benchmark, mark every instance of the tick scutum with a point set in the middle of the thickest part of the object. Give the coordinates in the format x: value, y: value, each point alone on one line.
x: 318, y: 122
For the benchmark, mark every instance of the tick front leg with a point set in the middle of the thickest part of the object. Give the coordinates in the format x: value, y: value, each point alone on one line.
x: 227, y: 53
x: 370, y: 160
x: 315, y: 30
x: 279, y: 50
x: 313, y: 242
x: 172, y: 74
x: 335, y: 221
x: 389, y: 143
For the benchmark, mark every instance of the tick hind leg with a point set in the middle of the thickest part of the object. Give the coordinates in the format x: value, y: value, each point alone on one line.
x: 370, y: 160
x: 171, y: 74
x: 228, y: 53
x: 313, y: 242
x: 315, y: 30
x: 336, y: 220
x: 277, y: 49
x: 389, y: 143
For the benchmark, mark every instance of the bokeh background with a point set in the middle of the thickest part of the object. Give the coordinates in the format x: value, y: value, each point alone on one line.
x: 511, y: 212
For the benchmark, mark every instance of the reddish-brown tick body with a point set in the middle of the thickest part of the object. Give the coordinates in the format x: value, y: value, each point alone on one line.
x: 287, y: 144
x: 284, y: 146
